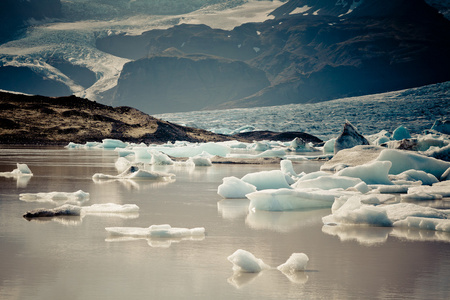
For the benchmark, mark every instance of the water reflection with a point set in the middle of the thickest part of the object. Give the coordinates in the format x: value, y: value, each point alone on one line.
x: 154, y: 242
x: 233, y: 208
x: 284, y: 221
x: 296, y: 277
x: 364, y: 235
x: 138, y: 185
x: 240, y: 279
x: 21, y: 181
x: 412, y: 234
x: 371, y: 236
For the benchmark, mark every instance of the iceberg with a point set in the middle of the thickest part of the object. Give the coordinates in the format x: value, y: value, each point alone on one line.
x: 21, y: 170
x: 293, y: 199
x: 110, y: 208
x: 246, y: 262
x: 415, y: 175
x: 349, y: 138
x: 263, y: 180
x: 296, y: 262
x: 233, y: 187
x: 405, y: 160
x: 328, y: 182
x: 371, y: 173
x: 401, y: 133
x: 135, y: 173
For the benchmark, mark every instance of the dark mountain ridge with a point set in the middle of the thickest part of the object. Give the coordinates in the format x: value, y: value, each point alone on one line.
x: 376, y: 47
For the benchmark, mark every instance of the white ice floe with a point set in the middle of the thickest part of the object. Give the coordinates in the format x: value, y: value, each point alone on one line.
x: 136, y: 173
x: 21, y: 170
x: 296, y: 262
x: 425, y: 223
x: 415, y: 175
x: 353, y: 211
x: 328, y: 182
x: 246, y: 262
x: 200, y: 161
x: 406, y: 160
x: 110, y: 208
x: 156, y: 231
x: 371, y: 173
x: 294, y: 199
x: 233, y: 187
x: 274, y: 179
x: 75, y: 198
x: 401, y: 133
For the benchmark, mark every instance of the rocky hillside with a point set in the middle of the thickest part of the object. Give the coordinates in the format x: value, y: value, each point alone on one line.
x: 329, y: 51
x: 186, y: 82
x: 57, y: 121
x: 15, y: 14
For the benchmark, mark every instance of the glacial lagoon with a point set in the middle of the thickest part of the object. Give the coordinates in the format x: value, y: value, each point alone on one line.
x: 75, y: 257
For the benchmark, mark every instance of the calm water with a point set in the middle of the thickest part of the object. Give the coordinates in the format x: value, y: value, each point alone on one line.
x: 74, y: 258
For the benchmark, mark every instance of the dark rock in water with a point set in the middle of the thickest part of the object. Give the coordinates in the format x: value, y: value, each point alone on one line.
x: 349, y: 138
x: 277, y: 136
x: 65, y: 210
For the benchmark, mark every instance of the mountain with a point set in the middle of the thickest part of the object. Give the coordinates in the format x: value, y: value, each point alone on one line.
x: 333, y: 49
x: 40, y: 120
x: 185, y: 82
x: 16, y: 14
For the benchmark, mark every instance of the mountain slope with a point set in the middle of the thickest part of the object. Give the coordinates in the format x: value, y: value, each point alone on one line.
x: 376, y: 46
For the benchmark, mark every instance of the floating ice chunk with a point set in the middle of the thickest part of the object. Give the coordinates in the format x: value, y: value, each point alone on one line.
x: 421, y: 196
x: 287, y: 168
x: 193, y: 150
x: 354, y: 212
x: 246, y: 262
x: 112, y: 144
x: 136, y: 173
x: 446, y: 175
x: 263, y: 180
x: 159, y: 158
x: 400, y: 211
x: 362, y: 187
x: 122, y: 164
x: 299, y: 145
x: 349, y: 138
x: 425, y: 223
x: 261, y: 146
x: 314, y: 175
x: 439, y: 153
x: 272, y: 153
x: 371, y: 173
x: 200, y: 161
x: 156, y: 231
x: 142, y: 154
x: 56, y: 197
x: 64, y: 210
x: 406, y: 160
x: 390, y: 189
x: 401, y: 133
x: 328, y: 147
x: 233, y: 187
x: 440, y: 189
x: 328, y: 182
x: 110, y: 208
x: 293, y: 199
x: 441, y: 126
x: 355, y: 156
x: 415, y: 175
x: 296, y: 262
x: 21, y: 170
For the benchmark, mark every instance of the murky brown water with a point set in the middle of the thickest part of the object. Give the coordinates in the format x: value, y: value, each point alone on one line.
x: 74, y: 258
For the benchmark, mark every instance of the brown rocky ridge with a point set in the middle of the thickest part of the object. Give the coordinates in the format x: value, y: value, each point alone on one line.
x: 39, y: 120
